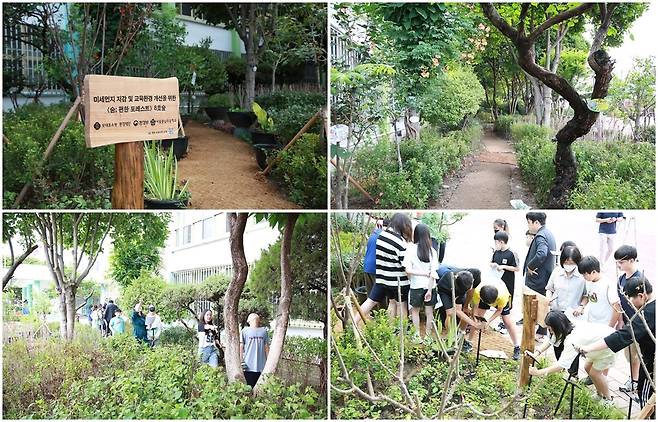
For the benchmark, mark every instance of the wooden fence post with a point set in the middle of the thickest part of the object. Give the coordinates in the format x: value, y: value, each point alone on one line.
x: 530, y: 304
x: 128, y: 189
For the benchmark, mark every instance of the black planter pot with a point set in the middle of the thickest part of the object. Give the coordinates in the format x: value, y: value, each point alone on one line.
x: 264, y: 138
x: 180, y: 145
x: 216, y: 113
x: 262, y: 150
x: 242, y: 119
x: 165, y: 204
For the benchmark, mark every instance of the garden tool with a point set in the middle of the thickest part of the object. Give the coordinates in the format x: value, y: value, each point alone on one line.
x: 525, y: 406
x: 571, y: 380
x: 477, y: 358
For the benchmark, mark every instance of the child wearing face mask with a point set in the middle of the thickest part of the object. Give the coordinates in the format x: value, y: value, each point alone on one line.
x: 565, y: 288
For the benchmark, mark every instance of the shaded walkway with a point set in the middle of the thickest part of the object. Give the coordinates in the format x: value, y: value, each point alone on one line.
x: 221, y: 172
x: 490, y: 181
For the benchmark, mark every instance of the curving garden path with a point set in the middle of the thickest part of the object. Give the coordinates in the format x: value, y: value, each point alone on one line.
x: 489, y: 180
x: 221, y: 172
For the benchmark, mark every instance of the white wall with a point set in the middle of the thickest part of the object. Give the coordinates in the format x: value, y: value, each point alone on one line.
x: 216, y: 250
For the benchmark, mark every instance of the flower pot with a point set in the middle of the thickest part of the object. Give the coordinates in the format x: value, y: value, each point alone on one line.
x: 242, y: 119
x: 165, y: 204
x: 216, y: 113
x: 264, y: 138
x: 180, y: 145
x: 262, y: 151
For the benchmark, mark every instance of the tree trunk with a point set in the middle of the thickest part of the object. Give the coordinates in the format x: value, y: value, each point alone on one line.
x: 274, y: 66
x: 285, y: 300
x: 250, y: 78
x: 412, y: 128
x: 62, y: 315
x: 232, y: 297
x: 69, y: 295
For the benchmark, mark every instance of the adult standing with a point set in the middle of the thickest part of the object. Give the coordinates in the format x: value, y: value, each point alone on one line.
x: 153, y: 326
x: 390, y: 252
x: 139, y: 323
x: 254, y: 347
x: 539, y: 262
x: 110, y: 311
x: 607, y: 232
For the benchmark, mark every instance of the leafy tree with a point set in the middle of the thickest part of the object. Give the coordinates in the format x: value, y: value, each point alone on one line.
x: 254, y: 23
x: 299, y: 35
x: 308, y: 267
x: 13, y: 226
x: 362, y: 98
x: 137, y: 245
x: 525, y: 34
x: 451, y: 97
x: 147, y: 289
x: 418, y: 40
x: 634, y: 96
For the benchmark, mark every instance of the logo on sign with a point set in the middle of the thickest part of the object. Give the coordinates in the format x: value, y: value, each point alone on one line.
x: 97, y: 125
x: 152, y: 122
x: 135, y: 122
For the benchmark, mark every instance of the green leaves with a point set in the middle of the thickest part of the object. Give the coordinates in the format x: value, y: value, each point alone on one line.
x: 161, y: 174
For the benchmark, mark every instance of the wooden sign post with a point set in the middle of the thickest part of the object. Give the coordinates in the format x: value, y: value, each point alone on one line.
x: 123, y: 110
x: 535, y: 308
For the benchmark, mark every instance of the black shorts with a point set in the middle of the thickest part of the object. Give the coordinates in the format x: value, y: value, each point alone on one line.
x: 417, y: 298
x: 506, y: 310
x: 381, y: 292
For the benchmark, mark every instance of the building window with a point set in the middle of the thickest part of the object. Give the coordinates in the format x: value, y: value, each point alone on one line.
x: 22, y: 58
x: 208, y: 228
x: 187, y: 235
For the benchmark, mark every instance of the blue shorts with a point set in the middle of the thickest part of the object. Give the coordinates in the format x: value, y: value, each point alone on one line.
x: 209, y: 355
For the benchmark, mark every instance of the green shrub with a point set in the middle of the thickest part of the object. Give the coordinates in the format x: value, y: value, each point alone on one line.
x: 73, y: 177
x: 220, y: 100
x: 425, y: 162
x: 283, y: 99
x: 178, y: 336
x: 451, y: 97
x: 121, y: 378
x: 486, y: 387
x: 503, y: 125
x: 235, y: 69
x: 611, y: 174
x: 215, y: 76
x: 288, y: 121
x: 303, y: 169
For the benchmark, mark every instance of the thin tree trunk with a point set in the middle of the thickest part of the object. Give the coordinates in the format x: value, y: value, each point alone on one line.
x: 62, y: 315
x: 250, y: 78
x: 237, y: 223
x: 69, y: 295
x: 285, y: 300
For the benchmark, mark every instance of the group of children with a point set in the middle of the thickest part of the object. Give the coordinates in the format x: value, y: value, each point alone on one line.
x: 590, y: 315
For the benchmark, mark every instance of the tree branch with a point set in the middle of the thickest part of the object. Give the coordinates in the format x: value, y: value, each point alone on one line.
x: 15, y: 263
x: 560, y: 17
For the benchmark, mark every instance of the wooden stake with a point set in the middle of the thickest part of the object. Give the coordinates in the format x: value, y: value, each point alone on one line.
x: 128, y: 189
x: 528, y: 338
x: 354, y: 182
x: 302, y: 131
x: 49, y: 149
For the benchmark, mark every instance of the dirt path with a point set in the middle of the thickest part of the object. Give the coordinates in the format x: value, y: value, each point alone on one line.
x: 489, y: 180
x: 221, y: 171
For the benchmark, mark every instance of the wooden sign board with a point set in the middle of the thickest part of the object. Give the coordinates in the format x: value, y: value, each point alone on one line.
x: 543, y: 305
x: 125, y: 109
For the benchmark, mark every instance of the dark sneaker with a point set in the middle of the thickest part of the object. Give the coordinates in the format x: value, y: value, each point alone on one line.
x: 587, y: 380
x: 467, y: 347
x: 517, y: 353
x: 519, y: 322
